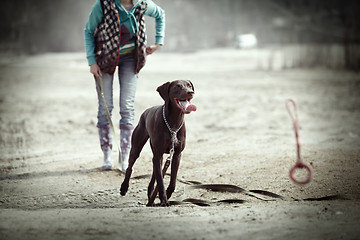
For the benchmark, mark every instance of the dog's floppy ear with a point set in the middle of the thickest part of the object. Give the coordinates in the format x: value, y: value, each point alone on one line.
x: 164, y: 91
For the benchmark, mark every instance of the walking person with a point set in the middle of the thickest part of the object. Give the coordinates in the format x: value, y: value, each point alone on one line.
x: 115, y: 37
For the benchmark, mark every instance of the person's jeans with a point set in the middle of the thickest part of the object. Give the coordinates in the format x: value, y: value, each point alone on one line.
x: 128, y: 82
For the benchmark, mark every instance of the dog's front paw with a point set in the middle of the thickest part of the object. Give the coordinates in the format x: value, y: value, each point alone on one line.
x: 163, y: 200
x: 164, y: 204
x: 124, y: 188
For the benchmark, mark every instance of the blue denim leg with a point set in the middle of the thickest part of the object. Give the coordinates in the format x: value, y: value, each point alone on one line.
x: 108, y: 94
x: 128, y: 80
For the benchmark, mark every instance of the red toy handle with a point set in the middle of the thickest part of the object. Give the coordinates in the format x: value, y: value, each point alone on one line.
x: 301, y: 166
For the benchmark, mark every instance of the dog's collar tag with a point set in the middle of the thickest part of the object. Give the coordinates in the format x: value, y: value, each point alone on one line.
x: 173, y: 138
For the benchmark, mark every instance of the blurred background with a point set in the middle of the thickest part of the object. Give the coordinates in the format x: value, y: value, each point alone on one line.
x: 302, y: 33
x: 245, y: 58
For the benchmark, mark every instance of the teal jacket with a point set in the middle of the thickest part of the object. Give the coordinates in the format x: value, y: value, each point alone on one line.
x: 127, y: 19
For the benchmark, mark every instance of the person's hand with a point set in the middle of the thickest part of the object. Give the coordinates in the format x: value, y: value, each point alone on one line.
x: 151, y: 49
x: 95, y: 70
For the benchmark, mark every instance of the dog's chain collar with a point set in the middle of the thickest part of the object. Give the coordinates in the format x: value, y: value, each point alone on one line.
x: 172, y: 132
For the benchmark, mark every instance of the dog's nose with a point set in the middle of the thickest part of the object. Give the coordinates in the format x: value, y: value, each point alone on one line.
x: 190, y: 92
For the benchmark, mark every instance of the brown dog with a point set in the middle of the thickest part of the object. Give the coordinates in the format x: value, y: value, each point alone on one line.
x: 165, y: 127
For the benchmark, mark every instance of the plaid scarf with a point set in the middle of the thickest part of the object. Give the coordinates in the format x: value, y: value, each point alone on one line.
x: 140, y: 36
x: 107, y: 37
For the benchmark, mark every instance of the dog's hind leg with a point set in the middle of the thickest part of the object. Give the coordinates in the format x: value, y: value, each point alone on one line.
x: 138, y: 141
x: 151, y: 187
x: 158, y: 176
x: 151, y: 193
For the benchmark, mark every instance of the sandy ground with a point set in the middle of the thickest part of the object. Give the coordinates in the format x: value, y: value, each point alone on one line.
x: 241, y: 134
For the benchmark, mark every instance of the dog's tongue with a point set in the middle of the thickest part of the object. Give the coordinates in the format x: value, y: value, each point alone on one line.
x: 191, y: 108
x: 188, y: 106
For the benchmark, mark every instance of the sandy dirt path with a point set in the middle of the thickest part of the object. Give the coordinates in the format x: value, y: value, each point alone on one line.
x: 241, y: 134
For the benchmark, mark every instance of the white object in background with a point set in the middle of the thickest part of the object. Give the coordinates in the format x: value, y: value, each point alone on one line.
x: 246, y: 41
